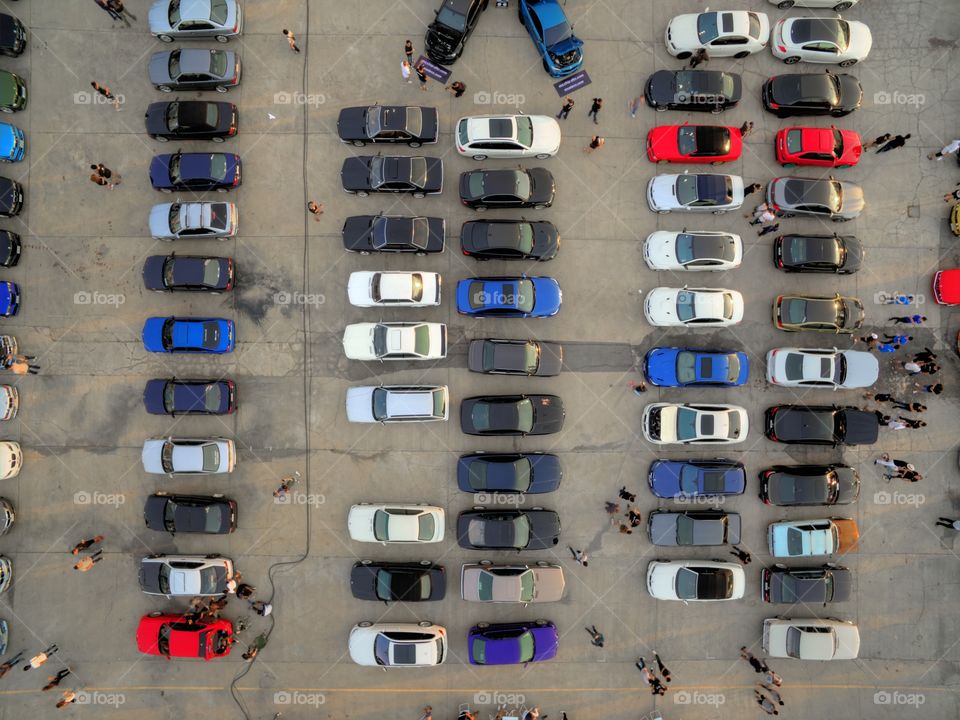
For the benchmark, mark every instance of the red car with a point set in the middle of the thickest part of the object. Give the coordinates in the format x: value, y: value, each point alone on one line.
x: 171, y: 636
x: 820, y: 147
x: 694, y: 144
x: 946, y: 287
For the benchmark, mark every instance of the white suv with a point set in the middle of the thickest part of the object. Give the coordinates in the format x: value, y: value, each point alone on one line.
x: 508, y: 136
x: 398, y: 403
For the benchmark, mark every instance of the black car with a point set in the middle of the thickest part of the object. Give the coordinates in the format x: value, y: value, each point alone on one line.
x: 703, y: 90
x: 10, y: 248
x: 512, y: 415
x: 826, y: 584
x: 821, y: 425
x: 11, y: 197
x: 195, y: 171
x: 530, y: 473
x: 189, y: 397
x: 841, y: 254
x: 693, y: 527
x: 393, y: 234
x: 191, y: 120
x: 812, y: 94
x: 398, y: 581
x: 13, y: 36
x: 418, y: 176
x: 510, y: 240
x: 447, y: 35
x: 788, y: 485
x: 520, y: 188
x: 213, y: 515
x: 515, y: 357
x: 483, y: 529
x: 188, y: 273
x: 412, y: 125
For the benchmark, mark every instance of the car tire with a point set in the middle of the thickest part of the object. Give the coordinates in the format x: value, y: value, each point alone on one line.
x: 719, y: 212
x: 222, y: 189
x: 413, y: 145
x: 364, y: 623
x: 420, y: 253
x: 160, y: 138
x: 217, y: 495
x: 164, y: 88
x: 540, y: 622
x: 543, y: 156
x: 216, y: 139
x: 546, y: 67
x: 211, y: 556
x: 154, y: 556
x: 425, y: 563
x: 364, y: 252
x: 366, y: 562
x: 419, y: 195
x: 785, y: 4
x: 840, y: 7
x: 684, y: 55
x: 787, y: 215
x: 661, y: 108
x: 166, y: 190
x: 221, y: 88
x: 780, y: 566
x: 479, y: 157
x: 424, y: 623
x: 358, y: 143
x: 222, y: 38
x: 792, y: 60
x: 479, y: 507
x: 717, y: 162
x: 741, y: 55
x: 536, y: 508
x: 362, y: 193
x: 165, y: 38
x: 482, y: 625
x: 848, y: 63
x: 485, y: 563
x: 481, y: 208
x: 662, y: 212
x: 789, y: 165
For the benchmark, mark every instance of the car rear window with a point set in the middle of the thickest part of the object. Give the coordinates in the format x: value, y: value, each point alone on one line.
x: 218, y: 11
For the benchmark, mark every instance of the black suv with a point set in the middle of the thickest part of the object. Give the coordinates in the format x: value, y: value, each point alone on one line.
x: 13, y: 36
x: 447, y: 35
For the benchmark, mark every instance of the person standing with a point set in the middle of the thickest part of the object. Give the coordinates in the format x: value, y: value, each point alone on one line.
x: 84, y: 544
x: 421, y: 76
x: 663, y: 669
x: 752, y: 659
x: 898, y: 142
x: 596, y: 142
x: 635, y: 104
x: 568, y: 104
x: 39, y: 659
x: 700, y: 57
x: 935, y: 389
x: 876, y: 141
x: 950, y: 148
x: 942, y: 522
x: 457, y: 88
x: 746, y: 129
x: 69, y: 696
x: 751, y: 188
x: 626, y: 495
x: 291, y: 40
x: 6, y: 666
x: 596, y: 637
x: 766, y: 215
x: 774, y: 693
x: 118, y: 11
x: 595, y: 108
x: 769, y: 229
x: 408, y: 51
x: 406, y: 70
x: 315, y: 210
x: 105, y: 6
x: 579, y: 555
x: 87, y: 563
x: 766, y: 703
x: 742, y: 555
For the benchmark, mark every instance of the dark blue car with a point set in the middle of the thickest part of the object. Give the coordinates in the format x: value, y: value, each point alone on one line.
x: 194, y: 335
x: 509, y: 297
x: 190, y: 397
x: 552, y: 35
x: 509, y: 472
x: 681, y: 367
x: 9, y: 298
x: 195, y: 171
x: 696, y: 478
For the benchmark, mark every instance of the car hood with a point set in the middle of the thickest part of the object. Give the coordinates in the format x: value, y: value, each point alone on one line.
x: 153, y: 334
x: 153, y: 272
x: 661, y: 366
x: 546, y: 133
x: 360, y: 404
x: 551, y: 359
x: 542, y: 184
x: 158, y: 67
x: 863, y: 368
x: 153, y: 396
x: 363, y: 581
x: 158, y: 18
x: 358, y: 341
x: 150, y: 456
x: 160, y: 220
x: 682, y: 30
x: 544, y: 529
x: 355, y: 173
x: 662, y: 190
x: 661, y: 87
x: 360, y: 522
x: 853, y: 201
x: 862, y: 427
x: 548, y: 414
x: 352, y: 123
x: 549, y: 296
x: 662, y: 528
x: 155, y: 118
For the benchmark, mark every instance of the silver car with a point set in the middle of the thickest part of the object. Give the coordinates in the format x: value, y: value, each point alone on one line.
x: 193, y: 221
x: 194, y: 69
x: 827, y: 198
x: 195, y: 19
x: 6, y: 574
x: 486, y: 582
x: 185, y: 575
x: 7, y: 516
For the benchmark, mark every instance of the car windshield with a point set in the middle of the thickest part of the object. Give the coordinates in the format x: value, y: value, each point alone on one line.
x: 163, y: 579
x: 163, y: 639
x: 686, y: 305
x: 687, y: 140
x: 381, y: 650
x: 485, y: 585
x: 381, y: 525
x: 525, y: 645
x: 380, y: 403
x: 380, y: 341
x: 686, y: 424
x: 376, y: 171
x: 707, y: 30
x: 218, y: 63
x: 689, y: 480
x: 451, y: 18
x: 174, y: 219
x: 374, y: 125
x: 211, y: 457
x: 794, y: 636
x: 418, y: 171
x: 686, y: 189
x: 174, y: 168
x: 794, y: 141
x: 218, y: 11
x: 439, y: 404
x: 524, y: 131
x: 685, y: 528
x: 426, y: 527
x: 837, y: 143
x: 166, y: 457
x: 686, y: 584
x: 840, y: 369
x: 521, y: 531
x: 421, y: 340
x: 686, y: 367
x: 218, y: 166
x: 557, y: 33
x: 526, y: 587
x: 212, y: 397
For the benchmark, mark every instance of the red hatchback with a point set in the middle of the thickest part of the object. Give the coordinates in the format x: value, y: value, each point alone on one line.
x: 694, y: 144
x: 820, y: 147
x: 946, y: 287
x: 171, y: 636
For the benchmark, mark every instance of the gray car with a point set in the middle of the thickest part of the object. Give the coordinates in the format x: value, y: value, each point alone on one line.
x: 515, y: 357
x: 194, y: 69
x: 6, y: 574
x: 7, y: 516
x: 693, y: 527
x: 486, y: 582
x: 195, y: 19
x: 827, y: 198
x: 826, y: 584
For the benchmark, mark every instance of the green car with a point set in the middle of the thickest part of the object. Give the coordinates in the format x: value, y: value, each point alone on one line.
x: 13, y: 92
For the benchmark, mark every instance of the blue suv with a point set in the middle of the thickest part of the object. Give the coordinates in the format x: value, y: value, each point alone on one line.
x: 13, y: 144
x: 553, y: 35
x: 188, y: 335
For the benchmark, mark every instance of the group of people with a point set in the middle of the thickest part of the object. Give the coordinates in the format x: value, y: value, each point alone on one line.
x: 898, y: 469
x: 657, y: 687
x: 41, y: 658
x: 767, y: 693
x: 208, y: 609
x: 924, y: 362
x: 633, y: 518
x: 86, y: 562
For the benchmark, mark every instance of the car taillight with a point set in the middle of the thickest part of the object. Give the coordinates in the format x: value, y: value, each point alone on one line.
x: 233, y: 130
x: 774, y: 106
x: 782, y: 48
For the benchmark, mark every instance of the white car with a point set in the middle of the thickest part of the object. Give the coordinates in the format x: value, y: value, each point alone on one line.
x: 9, y: 402
x: 185, y: 575
x: 692, y: 250
x: 695, y: 192
x: 812, y: 538
x: 194, y: 221
x: 735, y: 33
x: 693, y: 307
x: 486, y: 582
x: 695, y: 580
x: 811, y: 638
x: 393, y: 289
x: 821, y: 40
x: 11, y: 459
x: 395, y: 341
x: 188, y: 456
x: 508, y: 136
x: 398, y: 403
x: 396, y: 523
x: 822, y: 367
x: 836, y: 5
x: 701, y: 424
x: 398, y: 644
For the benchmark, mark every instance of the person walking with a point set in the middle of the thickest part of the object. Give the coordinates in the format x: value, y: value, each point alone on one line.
x: 568, y: 104
x: 118, y: 11
x: 936, y: 388
x: 899, y: 339
x: 86, y: 563
x: 635, y: 104
x: 746, y: 129
x: 105, y: 92
x: 408, y: 51
x: 40, y: 658
x: 291, y: 40
x: 98, y: 180
x: 595, y: 142
x: 315, y: 210
x: 626, y: 495
x: 405, y: 70
x: 742, y: 555
x: 912, y: 368
x: 766, y: 703
x: 625, y: 529
x: 20, y: 365
x: 898, y: 142
x: 245, y: 591
x: 909, y: 319
x: 910, y: 476
x: 950, y: 148
x: 769, y: 229
x: 929, y: 368
x: 774, y: 693
x: 421, y: 76
x: 925, y: 355
x: 885, y: 461
x: 54, y: 680
x: 762, y: 215
x: 898, y: 298
x: 771, y: 678
x: 887, y: 347
x: 639, y: 387
x: 105, y: 6
x: 942, y: 522
x: 457, y: 88
x: 871, y: 340
x: 84, y: 544
x: 6, y: 666
x: 911, y: 423
x: 69, y: 696
x: 751, y: 188
x: 663, y: 668
x: 700, y: 57
x: 876, y: 141
x: 752, y: 659
x: 596, y: 637
x: 261, y: 607
x: 595, y: 109
x: 648, y: 675
x: 910, y: 407
x: 880, y: 397
x: 579, y: 555
x: 635, y: 518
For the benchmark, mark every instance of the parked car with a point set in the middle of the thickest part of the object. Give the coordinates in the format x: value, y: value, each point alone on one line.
x: 189, y: 273
x: 6, y: 574
x: 700, y: 424
x: 695, y: 580
x: 393, y: 289
x: 395, y: 341
x: 815, y: 585
x: 172, y: 636
x: 810, y: 639
x: 10, y: 248
x: 486, y: 582
x: 520, y: 188
x: 823, y: 313
x: 832, y: 4
x: 13, y: 36
x: 411, y: 125
x: 396, y: 523
x: 386, y: 644
x: 191, y: 120
x: 177, y: 396
x: 696, y: 250
x: 418, y: 176
x: 13, y: 143
x: 552, y: 35
x: 176, y: 513
x: 840, y: 254
x: 821, y: 40
x: 825, y: 93
x: 693, y: 307
x: 812, y: 538
x: 13, y: 92
x: 185, y: 575
x: 512, y: 643
x: 686, y: 367
x: 11, y: 459
x: 510, y: 240
x: 188, y: 335
x: 714, y: 144
x: 695, y: 193
x: 194, y: 69
x: 11, y: 197
x: 509, y: 297
x: 365, y: 234
x: 946, y: 287
x: 822, y: 367
x: 789, y: 485
x: 821, y: 425
x: 827, y: 198
x: 509, y: 473
x: 8, y: 517
x: 722, y: 34
x: 194, y: 221
x: 515, y: 357
x: 499, y: 529
x: 693, y: 527
x: 512, y: 415
x: 818, y: 147
x: 171, y: 20
x: 195, y: 171
x: 188, y: 456
x: 9, y: 298
x: 448, y: 33
x: 397, y: 403
x: 693, y: 90
x: 685, y: 479
x: 9, y: 402
x: 508, y: 136
x: 398, y: 581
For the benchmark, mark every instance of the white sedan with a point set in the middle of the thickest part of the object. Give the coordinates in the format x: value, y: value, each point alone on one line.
x: 508, y: 136
x: 821, y: 40
x: 836, y: 5
x: 395, y: 341
x: 695, y: 580
x: 693, y: 307
x: 396, y: 523
x: 811, y: 638
x: 695, y: 192
x: 701, y: 424
x: 185, y: 575
x: 722, y: 34
x: 822, y: 367
x: 188, y: 456
x: 394, y: 289
x: 398, y: 644
x: 693, y: 250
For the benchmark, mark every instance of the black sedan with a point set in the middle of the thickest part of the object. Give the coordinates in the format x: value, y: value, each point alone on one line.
x: 188, y: 273
x: 191, y: 120
x: 531, y: 473
x: 11, y: 197
x: 213, y: 515
x: 448, y: 33
x: 515, y: 357
x: 195, y: 171
x: 509, y: 240
x: 520, y: 188
x: 483, y: 529
x: 703, y: 90
x: 411, y: 126
x: 840, y: 254
x: 393, y: 233
x: 788, y: 485
x: 13, y: 36
x: 821, y: 425
x: 417, y: 176
x: 10, y: 248
x: 189, y: 397
x: 812, y: 94
x: 512, y: 415
x: 398, y: 581
x: 826, y: 584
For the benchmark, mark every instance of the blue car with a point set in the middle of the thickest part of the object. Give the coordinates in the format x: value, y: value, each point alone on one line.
x: 696, y: 478
x: 552, y: 35
x: 195, y: 171
x: 681, y: 367
x: 13, y: 144
x: 188, y: 335
x: 9, y: 298
x: 509, y: 297
x: 190, y: 397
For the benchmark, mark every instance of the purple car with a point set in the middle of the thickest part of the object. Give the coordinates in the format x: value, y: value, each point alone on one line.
x: 512, y: 643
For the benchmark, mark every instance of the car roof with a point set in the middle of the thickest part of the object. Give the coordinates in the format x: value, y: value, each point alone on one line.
x: 195, y: 60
